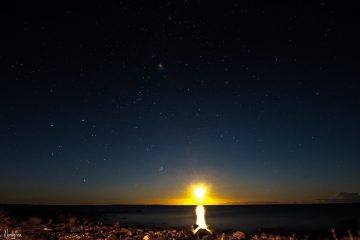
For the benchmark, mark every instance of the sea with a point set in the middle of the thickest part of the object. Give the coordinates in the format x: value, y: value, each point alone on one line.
x: 248, y: 218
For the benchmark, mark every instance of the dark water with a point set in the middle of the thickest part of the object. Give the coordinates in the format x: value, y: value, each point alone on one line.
x: 245, y: 218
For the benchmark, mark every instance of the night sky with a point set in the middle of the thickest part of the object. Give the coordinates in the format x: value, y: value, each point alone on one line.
x: 132, y: 102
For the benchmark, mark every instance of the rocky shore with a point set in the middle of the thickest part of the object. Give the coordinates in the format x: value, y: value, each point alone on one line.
x: 80, y: 228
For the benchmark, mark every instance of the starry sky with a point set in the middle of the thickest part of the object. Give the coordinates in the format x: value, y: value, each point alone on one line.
x: 132, y: 102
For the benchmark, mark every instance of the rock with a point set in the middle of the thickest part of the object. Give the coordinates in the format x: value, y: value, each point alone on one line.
x: 238, y: 235
x: 271, y: 237
x: 35, y: 220
x: 126, y: 231
x: 278, y: 237
x: 224, y: 237
x: 72, y: 221
x: 182, y: 235
x: 111, y: 237
x: 256, y: 237
x: 263, y: 236
x: 203, y: 234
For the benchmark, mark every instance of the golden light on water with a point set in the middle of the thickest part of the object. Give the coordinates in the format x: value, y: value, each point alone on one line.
x: 200, y: 216
x: 199, y: 193
x: 200, y: 219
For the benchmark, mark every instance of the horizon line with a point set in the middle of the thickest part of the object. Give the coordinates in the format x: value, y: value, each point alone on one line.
x: 161, y: 204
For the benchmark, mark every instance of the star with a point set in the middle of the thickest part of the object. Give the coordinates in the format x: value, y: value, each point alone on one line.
x: 160, y: 67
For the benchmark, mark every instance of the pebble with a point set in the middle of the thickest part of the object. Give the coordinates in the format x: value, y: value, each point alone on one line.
x: 239, y: 235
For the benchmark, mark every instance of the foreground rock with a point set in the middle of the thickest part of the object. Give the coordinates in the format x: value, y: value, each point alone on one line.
x: 72, y: 228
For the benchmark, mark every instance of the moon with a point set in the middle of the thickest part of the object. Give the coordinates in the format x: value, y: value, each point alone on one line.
x: 199, y: 192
